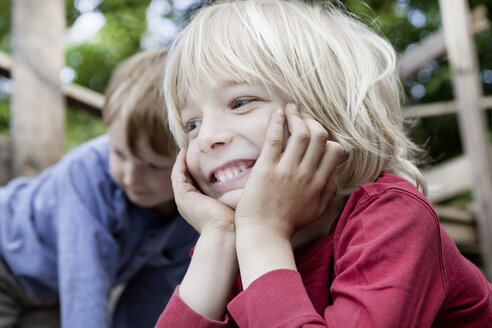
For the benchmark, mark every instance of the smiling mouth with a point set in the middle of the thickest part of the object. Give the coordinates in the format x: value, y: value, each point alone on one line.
x: 231, y: 170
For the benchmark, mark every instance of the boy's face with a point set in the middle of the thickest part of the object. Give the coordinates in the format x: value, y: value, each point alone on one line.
x: 146, y: 180
x: 226, y: 126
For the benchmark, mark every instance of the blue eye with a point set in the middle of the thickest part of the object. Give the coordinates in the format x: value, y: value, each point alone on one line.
x: 237, y: 103
x: 192, y: 125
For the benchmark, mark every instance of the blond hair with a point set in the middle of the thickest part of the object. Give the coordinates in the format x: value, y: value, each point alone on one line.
x: 133, y: 95
x: 322, y: 58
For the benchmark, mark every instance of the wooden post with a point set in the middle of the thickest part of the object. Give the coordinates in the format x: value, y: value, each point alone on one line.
x: 472, y: 121
x: 433, y: 46
x: 38, y: 108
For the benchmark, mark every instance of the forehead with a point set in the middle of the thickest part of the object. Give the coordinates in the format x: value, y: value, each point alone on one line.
x: 147, y: 154
x: 117, y: 131
x: 118, y: 140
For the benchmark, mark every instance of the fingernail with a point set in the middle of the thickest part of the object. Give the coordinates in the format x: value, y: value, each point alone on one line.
x: 280, y: 112
x: 293, y: 106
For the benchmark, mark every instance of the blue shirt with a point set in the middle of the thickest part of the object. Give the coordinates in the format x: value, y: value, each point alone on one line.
x: 71, y: 234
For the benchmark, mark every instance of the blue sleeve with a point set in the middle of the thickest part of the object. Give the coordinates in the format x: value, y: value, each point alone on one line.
x: 147, y: 294
x: 87, y: 250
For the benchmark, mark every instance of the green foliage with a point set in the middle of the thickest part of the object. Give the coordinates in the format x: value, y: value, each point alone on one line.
x: 118, y: 39
x: 5, y: 23
x: 81, y: 126
x: 4, y: 117
x: 71, y: 13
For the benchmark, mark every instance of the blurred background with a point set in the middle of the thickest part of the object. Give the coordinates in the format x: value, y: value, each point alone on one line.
x: 101, y: 33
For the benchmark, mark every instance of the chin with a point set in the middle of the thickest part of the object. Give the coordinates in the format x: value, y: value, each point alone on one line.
x: 231, y: 198
x: 142, y: 201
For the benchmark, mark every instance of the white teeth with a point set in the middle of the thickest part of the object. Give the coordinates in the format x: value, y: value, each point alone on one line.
x: 230, y: 172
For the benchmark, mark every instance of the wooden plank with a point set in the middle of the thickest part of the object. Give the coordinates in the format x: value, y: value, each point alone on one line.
x: 461, y: 234
x: 37, y: 107
x: 462, y: 213
x: 75, y: 95
x: 472, y: 121
x: 84, y: 98
x: 448, y: 179
x: 433, y: 46
x: 458, y: 220
x: 441, y: 108
x: 5, y: 64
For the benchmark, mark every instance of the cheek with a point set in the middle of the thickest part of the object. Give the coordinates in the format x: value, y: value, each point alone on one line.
x: 260, y: 133
x: 162, y: 184
x: 116, y: 169
x: 193, y: 165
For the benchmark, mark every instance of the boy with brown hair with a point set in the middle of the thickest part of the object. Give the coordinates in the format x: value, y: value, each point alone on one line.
x: 103, y: 216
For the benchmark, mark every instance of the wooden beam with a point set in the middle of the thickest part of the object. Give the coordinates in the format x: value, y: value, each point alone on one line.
x: 75, y: 95
x: 5, y: 64
x: 459, y: 222
x: 433, y: 46
x: 472, y: 121
x: 462, y: 213
x: 448, y: 179
x: 84, y: 98
x: 441, y: 108
x: 461, y: 234
x: 37, y: 106
x: 441, y: 186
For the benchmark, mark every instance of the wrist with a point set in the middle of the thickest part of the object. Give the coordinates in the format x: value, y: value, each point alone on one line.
x: 259, y: 228
x: 208, y: 281
x: 218, y: 227
x: 259, y: 251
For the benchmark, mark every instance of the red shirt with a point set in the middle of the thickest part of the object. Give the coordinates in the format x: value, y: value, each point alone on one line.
x: 386, y: 263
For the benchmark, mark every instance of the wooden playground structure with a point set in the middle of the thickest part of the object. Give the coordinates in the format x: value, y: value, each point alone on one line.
x: 39, y: 99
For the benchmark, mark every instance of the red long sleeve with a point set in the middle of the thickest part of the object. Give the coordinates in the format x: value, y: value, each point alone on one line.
x: 386, y: 263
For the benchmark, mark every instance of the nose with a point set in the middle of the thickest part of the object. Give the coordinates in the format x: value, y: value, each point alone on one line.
x: 132, y: 174
x: 213, y: 134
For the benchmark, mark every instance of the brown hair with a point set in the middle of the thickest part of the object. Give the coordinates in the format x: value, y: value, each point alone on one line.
x: 133, y: 95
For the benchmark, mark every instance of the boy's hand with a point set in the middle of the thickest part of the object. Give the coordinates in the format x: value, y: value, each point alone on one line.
x: 288, y: 190
x: 199, y: 210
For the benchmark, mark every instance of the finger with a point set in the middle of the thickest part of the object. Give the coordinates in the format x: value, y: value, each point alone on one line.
x: 328, y: 193
x: 177, y: 173
x: 181, y: 180
x: 317, y: 143
x: 299, y: 136
x: 332, y: 157
x: 274, y: 138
